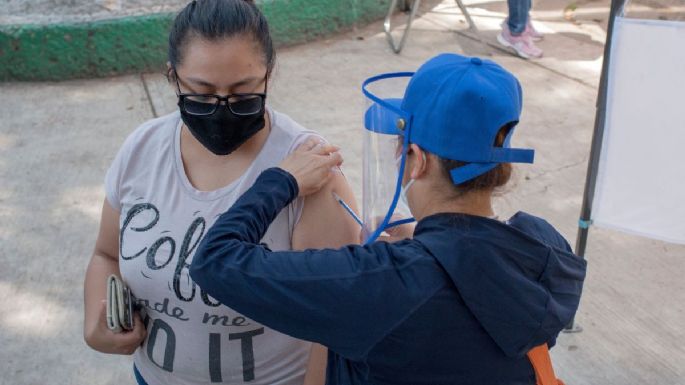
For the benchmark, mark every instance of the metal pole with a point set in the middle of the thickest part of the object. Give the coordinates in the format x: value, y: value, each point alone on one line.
x: 387, y: 26
x: 467, y: 15
x: 412, y: 6
x: 596, y: 148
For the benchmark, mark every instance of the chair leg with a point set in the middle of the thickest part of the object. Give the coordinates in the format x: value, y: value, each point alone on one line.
x: 466, y: 14
x: 404, y: 5
x: 387, y: 27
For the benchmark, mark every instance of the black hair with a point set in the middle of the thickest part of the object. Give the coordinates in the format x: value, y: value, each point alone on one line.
x: 217, y: 19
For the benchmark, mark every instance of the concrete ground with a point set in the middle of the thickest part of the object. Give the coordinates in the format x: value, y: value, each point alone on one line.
x: 57, y: 139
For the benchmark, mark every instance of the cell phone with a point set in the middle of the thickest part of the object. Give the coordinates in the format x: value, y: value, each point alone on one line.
x: 126, y: 310
x: 119, y: 305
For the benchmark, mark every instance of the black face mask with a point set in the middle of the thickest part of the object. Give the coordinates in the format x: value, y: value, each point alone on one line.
x: 223, y: 131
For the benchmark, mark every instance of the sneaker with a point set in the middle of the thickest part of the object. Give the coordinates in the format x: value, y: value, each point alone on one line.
x: 522, y: 44
x: 532, y: 32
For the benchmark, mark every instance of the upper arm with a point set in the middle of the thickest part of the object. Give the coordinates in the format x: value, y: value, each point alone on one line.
x: 324, y: 222
x: 107, y: 243
x: 104, y: 262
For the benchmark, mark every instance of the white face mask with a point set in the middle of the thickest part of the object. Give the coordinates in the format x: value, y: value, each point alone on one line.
x: 405, y: 188
x: 403, y: 192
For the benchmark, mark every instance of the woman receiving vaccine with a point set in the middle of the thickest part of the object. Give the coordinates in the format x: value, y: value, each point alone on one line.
x: 168, y: 184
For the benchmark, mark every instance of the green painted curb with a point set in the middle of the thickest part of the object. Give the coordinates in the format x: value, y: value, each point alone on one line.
x: 139, y: 43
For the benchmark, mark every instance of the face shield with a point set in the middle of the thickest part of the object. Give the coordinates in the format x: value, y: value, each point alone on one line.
x: 386, y: 140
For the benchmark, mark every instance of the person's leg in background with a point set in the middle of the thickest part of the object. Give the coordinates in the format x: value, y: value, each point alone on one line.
x: 518, y: 16
x: 517, y: 31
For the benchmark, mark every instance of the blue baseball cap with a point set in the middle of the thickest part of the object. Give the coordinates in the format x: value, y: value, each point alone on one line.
x: 454, y: 107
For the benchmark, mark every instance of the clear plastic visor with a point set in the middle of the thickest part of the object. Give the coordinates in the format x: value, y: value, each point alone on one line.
x: 384, y: 150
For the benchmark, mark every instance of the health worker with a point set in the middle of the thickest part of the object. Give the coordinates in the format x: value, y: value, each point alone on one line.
x: 467, y: 299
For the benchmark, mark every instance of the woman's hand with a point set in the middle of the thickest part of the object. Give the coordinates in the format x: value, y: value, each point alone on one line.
x: 100, y: 338
x: 312, y: 165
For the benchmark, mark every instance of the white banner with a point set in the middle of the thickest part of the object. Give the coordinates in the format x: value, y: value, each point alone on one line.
x: 641, y: 177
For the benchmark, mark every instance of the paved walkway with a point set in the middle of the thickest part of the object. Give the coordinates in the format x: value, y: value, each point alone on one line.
x: 57, y: 139
x: 61, y: 11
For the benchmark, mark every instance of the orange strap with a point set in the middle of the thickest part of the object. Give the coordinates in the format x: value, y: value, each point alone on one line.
x: 542, y: 365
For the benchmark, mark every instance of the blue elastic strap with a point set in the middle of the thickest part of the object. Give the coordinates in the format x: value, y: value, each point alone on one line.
x: 400, y: 222
x: 583, y: 224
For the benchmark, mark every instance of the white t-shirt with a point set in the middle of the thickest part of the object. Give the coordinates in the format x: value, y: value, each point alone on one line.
x: 191, y: 338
